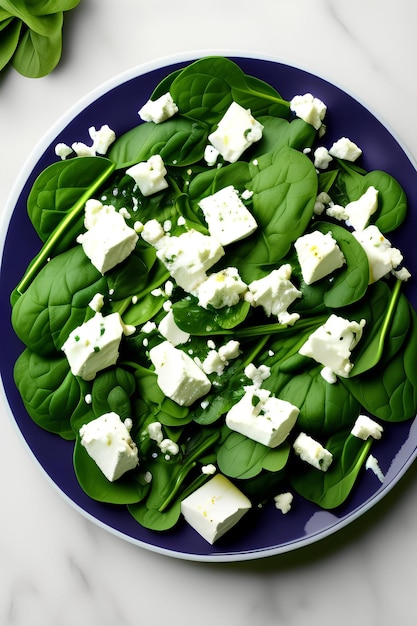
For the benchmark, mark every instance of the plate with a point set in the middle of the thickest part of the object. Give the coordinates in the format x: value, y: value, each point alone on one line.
x: 116, y: 103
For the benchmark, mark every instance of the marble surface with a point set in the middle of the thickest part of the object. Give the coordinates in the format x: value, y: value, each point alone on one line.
x: 56, y: 567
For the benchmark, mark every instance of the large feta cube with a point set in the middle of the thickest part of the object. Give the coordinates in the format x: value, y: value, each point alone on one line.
x: 275, y: 293
x: 179, y: 377
x: 220, y: 289
x: 332, y: 343
x: 318, y: 255
x: 382, y: 257
x: 169, y: 329
x: 94, y: 345
x: 227, y: 217
x: 108, y: 442
x: 158, y: 110
x: 262, y: 417
x: 312, y: 452
x: 310, y: 109
x: 366, y: 427
x: 188, y: 256
x: 345, y: 149
x: 236, y: 131
x: 215, y: 508
x: 149, y: 175
x: 108, y: 240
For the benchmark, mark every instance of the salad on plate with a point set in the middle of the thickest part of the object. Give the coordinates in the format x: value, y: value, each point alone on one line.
x: 216, y: 316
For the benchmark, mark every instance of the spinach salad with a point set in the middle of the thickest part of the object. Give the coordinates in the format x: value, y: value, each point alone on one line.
x: 277, y: 179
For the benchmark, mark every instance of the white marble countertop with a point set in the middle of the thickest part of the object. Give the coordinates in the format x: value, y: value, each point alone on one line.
x: 57, y: 567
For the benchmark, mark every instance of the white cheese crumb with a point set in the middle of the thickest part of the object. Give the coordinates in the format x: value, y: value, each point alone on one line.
x: 236, y: 131
x: 149, y: 175
x: 283, y: 502
x: 158, y: 110
x: 345, y: 149
x: 365, y: 427
x: 372, y: 464
x: 310, y: 109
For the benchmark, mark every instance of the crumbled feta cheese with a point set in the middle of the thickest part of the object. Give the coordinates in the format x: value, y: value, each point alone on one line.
x: 155, y: 431
x: 167, y: 446
x: 152, y: 232
x: 275, y: 293
x: 283, y: 501
x: 332, y: 343
x: 108, y: 240
x: 149, y: 175
x: 220, y: 289
x: 62, y: 150
x: 208, y: 469
x: 358, y: 212
x: 211, y: 155
x: 382, y: 257
x: 217, y: 360
x: 227, y: 217
x: 372, y: 464
x: 257, y: 374
x: 310, y: 109
x: 169, y: 329
x: 94, y: 345
x: 236, y: 131
x: 178, y: 376
x: 345, y: 149
x: 262, y: 417
x: 318, y: 255
x: 97, y: 302
x: 402, y: 274
x: 188, y: 256
x: 158, y: 110
x: 365, y: 427
x: 312, y: 452
x: 108, y: 442
x: 322, y: 158
x: 215, y: 508
x: 102, y: 138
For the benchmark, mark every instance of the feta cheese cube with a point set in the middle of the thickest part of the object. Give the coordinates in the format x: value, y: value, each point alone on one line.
x: 220, y: 289
x: 169, y: 329
x: 215, y: 508
x: 108, y: 240
x: 358, y: 212
x: 158, y: 110
x: 108, y: 442
x: 149, y: 175
x: 312, y: 452
x: 366, y: 427
x: 179, y: 377
x: 188, y: 257
x: 236, y: 131
x: 345, y: 149
x: 318, y: 255
x: 332, y: 343
x: 275, y: 293
x: 227, y: 217
x: 94, y: 345
x: 262, y: 417
x: 310, y: 109
x: 382, y: 257
x: 217, y: 360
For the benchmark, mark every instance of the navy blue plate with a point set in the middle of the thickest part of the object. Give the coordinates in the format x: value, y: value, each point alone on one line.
x: 266, y: 531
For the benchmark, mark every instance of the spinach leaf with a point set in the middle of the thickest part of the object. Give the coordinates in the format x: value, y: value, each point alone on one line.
x: 111, y: 391
x: 179, y: 141
x: 279, y: 132
x: 330, y: 489
x: 129, y: 488
x: 65, y: 231
x: 57, y: 301
x: 58, y: 188
x: 284, y: 185
x: 37, y: 54
x: 241, y: 457
x: 49, y: 391
x: 389, y: 390
x: 350, y: 283
x: 10, y: 32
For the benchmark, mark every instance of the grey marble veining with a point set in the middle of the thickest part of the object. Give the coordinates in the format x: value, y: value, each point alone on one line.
x: 57, y: 568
